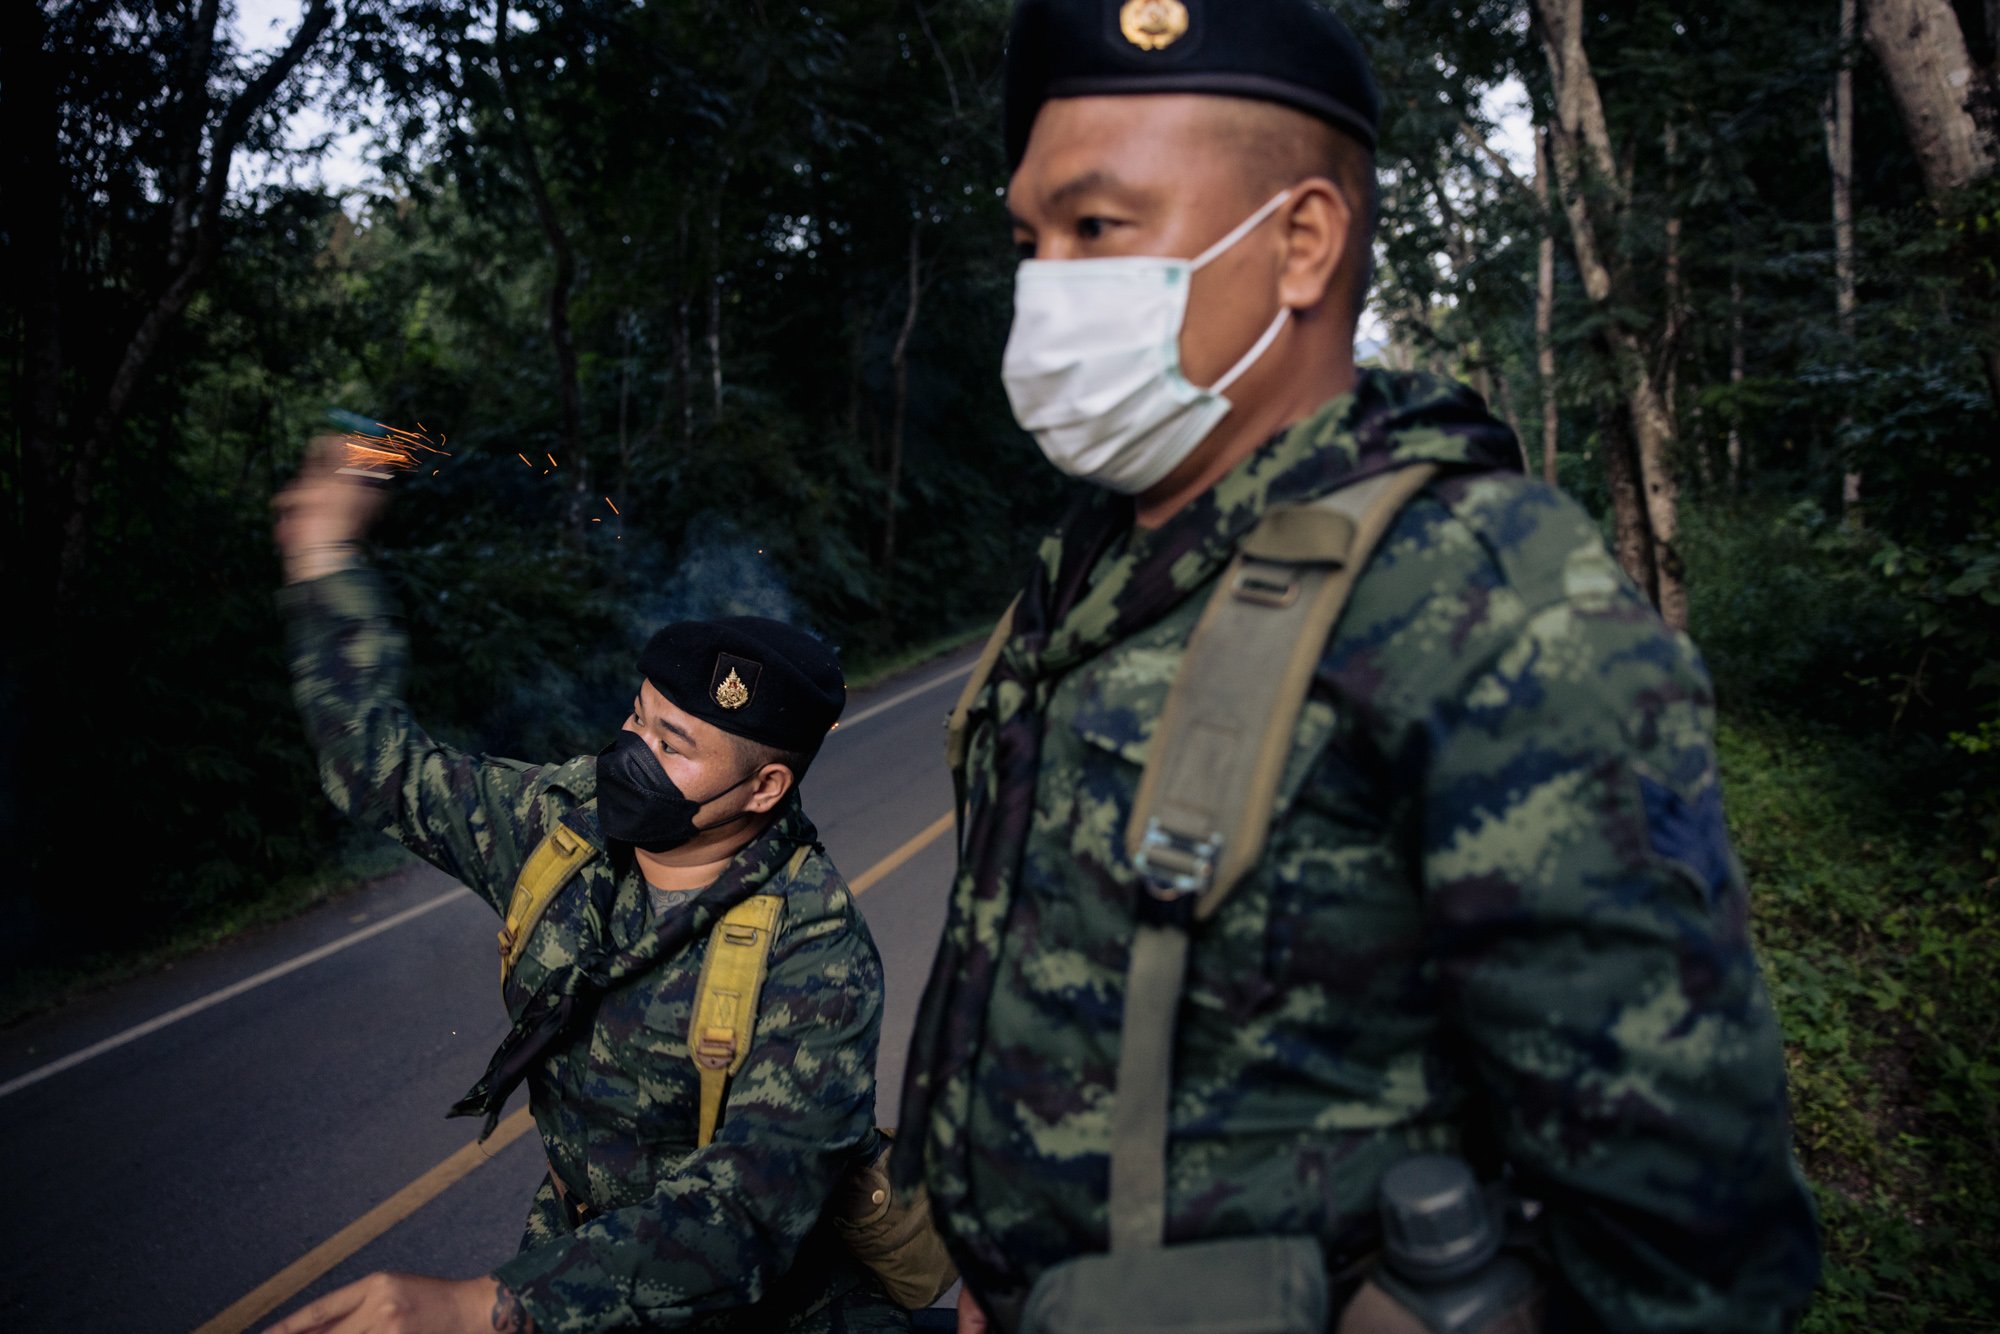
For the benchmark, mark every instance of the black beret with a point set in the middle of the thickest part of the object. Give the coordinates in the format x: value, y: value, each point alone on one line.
x: 770, y: 682
x: 1294, y: 52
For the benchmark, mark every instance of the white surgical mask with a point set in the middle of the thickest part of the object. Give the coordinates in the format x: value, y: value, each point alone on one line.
x: 1093, y: 366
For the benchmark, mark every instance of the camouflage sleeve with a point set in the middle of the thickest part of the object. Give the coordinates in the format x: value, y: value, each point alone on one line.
x: 726, y: 1223
x: 1591, y: 922
x: 471, y: 816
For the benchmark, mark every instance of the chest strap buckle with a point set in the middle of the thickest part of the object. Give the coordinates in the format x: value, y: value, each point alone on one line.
x: 1175, y: 870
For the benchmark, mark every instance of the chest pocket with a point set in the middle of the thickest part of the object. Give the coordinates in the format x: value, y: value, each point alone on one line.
x: 1243, y: 956
x: 642, y: 1031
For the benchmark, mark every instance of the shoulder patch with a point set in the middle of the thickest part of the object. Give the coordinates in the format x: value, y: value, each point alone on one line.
x: 1691, y: 832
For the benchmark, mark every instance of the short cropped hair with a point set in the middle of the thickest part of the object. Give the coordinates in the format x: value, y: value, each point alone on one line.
x: 754, y: 755
x: 1279, y: 147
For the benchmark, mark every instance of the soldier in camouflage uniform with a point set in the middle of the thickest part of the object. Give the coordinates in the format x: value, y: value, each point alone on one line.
x: 1497, y: 914
x: 633, y: 1227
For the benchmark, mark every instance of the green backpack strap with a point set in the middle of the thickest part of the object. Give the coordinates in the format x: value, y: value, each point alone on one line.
x: 1203, y: 809
x: 560, y: 854
x: 958, y: 728
x: 725, y: 1005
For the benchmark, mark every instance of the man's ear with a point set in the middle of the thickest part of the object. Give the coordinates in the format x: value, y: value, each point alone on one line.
x: 1317, y: 219
x: 769, y: 787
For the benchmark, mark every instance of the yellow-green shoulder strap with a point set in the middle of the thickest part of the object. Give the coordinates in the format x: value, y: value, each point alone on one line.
x: 958, y: 728
x: 549, y: 867
x: 1203, y: 808
x: 725, y: 1006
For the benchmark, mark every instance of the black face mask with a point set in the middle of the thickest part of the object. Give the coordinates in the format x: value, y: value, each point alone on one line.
x: 637, y: 802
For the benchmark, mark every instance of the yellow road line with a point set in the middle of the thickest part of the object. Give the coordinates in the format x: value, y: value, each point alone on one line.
x: 310, y: 1267
x: 294, y: 1277
x: 893, y: 863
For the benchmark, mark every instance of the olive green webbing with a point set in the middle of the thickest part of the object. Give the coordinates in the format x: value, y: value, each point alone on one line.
x: 1212, y: 779
x: 1153, y: 983
x: 958, y: 727
x: 1219, y: 751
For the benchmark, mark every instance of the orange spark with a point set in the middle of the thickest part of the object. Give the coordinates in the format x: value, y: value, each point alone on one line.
x: 394, y: 450
x: 363, y: 455
x: 552, y: 461
x: 614, y: 508
x: 523, y: 457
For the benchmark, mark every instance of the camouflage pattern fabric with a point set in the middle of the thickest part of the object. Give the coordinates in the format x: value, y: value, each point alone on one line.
x: 725, y: 1237
x: 1497, y: 914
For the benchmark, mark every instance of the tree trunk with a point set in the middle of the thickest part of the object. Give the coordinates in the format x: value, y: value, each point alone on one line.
x: 683, y: 334
x: 684, y: 366
x: 715, y: 292
x: 1579, y: 136
x: 899, y: 360
x: 857, y: 342
x: 715, y: 345
x: 1737, y: 362
x: 1545, y: 307
x: 1936, y: 88
x: 1670, y: 341
x: 626, y: 324
x: 561, y: 283
x: 1948, y: 104
x: 1632, y: 536
x: 1840, y: 162
x: 28, y: 106
x: 190, y: 112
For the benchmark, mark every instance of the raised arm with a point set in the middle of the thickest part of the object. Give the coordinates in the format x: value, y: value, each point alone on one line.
x: 472, y: 816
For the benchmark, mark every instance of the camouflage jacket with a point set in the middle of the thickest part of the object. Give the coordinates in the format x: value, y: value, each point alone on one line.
x: 1497, y: 913
x: 726, y: 1236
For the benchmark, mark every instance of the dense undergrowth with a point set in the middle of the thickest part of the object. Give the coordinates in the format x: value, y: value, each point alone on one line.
x: 1882, y: 950
x: 1873, y: 883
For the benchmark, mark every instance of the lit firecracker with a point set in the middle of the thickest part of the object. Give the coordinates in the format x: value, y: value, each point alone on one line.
x: 386, y: 450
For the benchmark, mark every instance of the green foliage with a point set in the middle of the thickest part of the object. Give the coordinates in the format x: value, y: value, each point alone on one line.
x: 1882, y: 946
x: 1789, y: 615
x: 1872, y: 903
x: 739, y: 192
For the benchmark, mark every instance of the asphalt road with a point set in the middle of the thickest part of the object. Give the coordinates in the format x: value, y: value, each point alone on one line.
x: 185, y: 1172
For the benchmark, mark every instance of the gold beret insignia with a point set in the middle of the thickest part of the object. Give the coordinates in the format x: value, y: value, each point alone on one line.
x: 1153, y: 25
x: 732, y: 693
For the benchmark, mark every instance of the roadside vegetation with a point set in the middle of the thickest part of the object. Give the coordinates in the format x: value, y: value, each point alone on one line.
x: 1871, y: 855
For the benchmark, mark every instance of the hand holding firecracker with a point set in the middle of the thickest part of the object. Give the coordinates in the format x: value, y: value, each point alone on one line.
x: 339, y: 491
x: 323, y: 513
x: 379, y: 451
